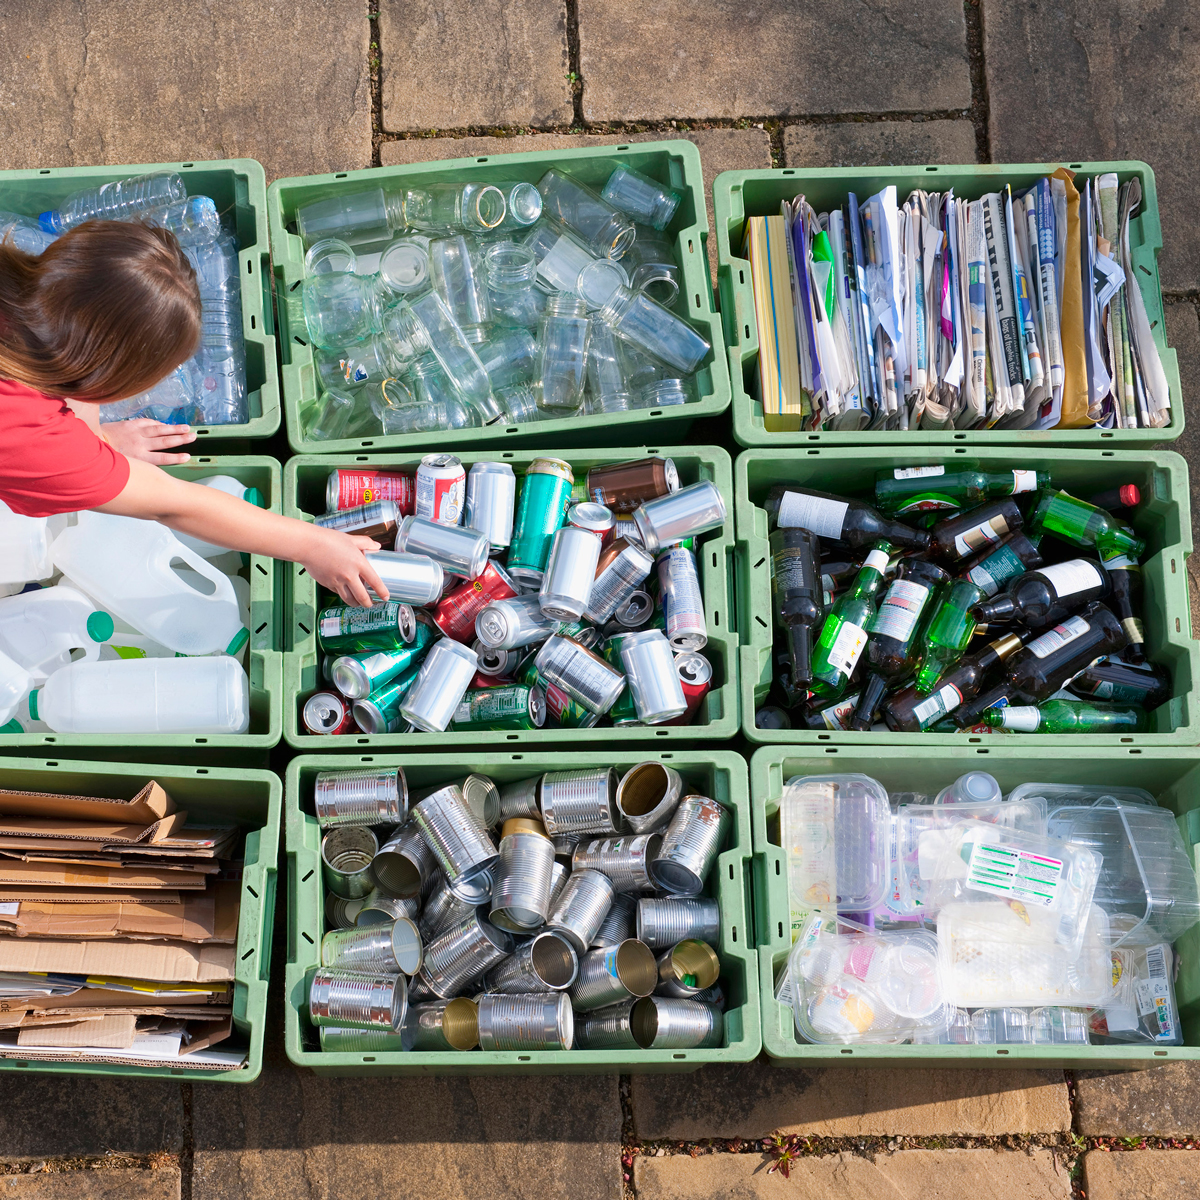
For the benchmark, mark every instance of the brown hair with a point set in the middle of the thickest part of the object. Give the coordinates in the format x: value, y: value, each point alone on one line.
x: 104, y: 313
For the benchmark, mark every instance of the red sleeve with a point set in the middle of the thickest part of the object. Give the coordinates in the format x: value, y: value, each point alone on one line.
x: 50, y: 461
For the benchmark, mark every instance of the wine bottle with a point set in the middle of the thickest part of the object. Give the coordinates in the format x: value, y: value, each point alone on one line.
x: 844, y: 631
x: 838, y: 519
x: 1118, y: 498
x: 1084, y: 524
x: 796, y: 591
x: 1067, y: 716
x: 960, y: 536
x: 994, y: 566
x: 791, y: 693
x: 932, y: 489
x: 1045, y: 596
x: 1113, y: 679
x: 948, y: 633
x: 1124, y: 574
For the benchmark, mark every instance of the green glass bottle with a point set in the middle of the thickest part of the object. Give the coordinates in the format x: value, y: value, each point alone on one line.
x: 844, y: 631
x: 1084, y: 524
x: 1066, y: 716
x: 948, y: 633
x: 908, y: 490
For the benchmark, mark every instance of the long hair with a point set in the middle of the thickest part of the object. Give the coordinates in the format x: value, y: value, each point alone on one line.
x: 104, y: 313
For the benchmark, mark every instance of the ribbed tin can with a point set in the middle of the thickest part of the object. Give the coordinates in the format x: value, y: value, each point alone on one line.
x: 341, y: 913
x: 482, y: 797
x: 522, y: 876
x: 650, y: 672
x: 461, y: 845
x: 346, y: 854
x: 683, y: 602
x: 690, y: 846
x: 564, y: 845
x: 410, y: 578
x: 623, y: 859
x: 456, y: 550
x: 678, y: 515
x: 579, y: 801
x: 687, y: 968
x: 580, y: 911
x: 442, y: 1025
x: 583, y: 675
x: 464, y: 953
x: 570, y: 572
x: 618, y: 924
x: 662, y: 1023
x: 378, y: 949
x: 442, y: 910
x: 608, y: 1028
x: 647, y: 796
x: 337, y: 1039
x: 520, y: 799
x: 359, y: 1000
x: 661, y: 923
x: 445, y: 675
x: 491, y: 502
x: 614, y: 973
x: 544, y: 1021
x: 381, y: 908
x: 404, y: 864
x: 545, y: 963
x: 360, y: 797
x: 560, y: 872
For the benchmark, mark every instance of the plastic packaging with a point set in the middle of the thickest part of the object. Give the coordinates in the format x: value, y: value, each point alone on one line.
x: 1143, y: 1007
x: 116, y: 200
x: 24, y: 547
x: 42, y: 630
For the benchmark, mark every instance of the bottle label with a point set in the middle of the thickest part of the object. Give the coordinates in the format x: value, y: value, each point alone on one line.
x: 847, y: 647
x: 1024, y: 481
x: 1058, y: 637
x: 980, y: 535
x: 877, y: 560
x: 823, y: 517
x: 1103, y: 689
x: 1017, y: 874
x: 990, y: 574
x: 918, y: 472
x: 1022, y: 717
x: 837, y: 716
x: 1069, y: 578
x: 945, y: 700
x: 1134, y: 630
x: 790, y: 570
x: 901, y: 610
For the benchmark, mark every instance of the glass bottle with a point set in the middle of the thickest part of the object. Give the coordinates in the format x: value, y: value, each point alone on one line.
x: 837, y: 518
x: 1066, y: 716
x: 509, y: 356
x: 656, y: 330
x: 1124, y: 574
x: 644, y: 199
x: 652, y: 267
x: 606, y: 380
x: 994, y: 566
x: 564, y: 341
x: 929, y: 489
x: 459, y: 279
x: 844, y: 631
x: 1084, y: 524
x: 512, y: 297
x: 1118, y: 499
x: 948, y: 633
x: 607, y: 230
x: 796, y: 592
x: 1044, y: 597
x: 1123, y: 683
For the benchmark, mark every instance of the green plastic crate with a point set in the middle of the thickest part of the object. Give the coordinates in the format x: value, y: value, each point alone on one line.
x: 1163, y: 519
x: 741, y: 194
x: 236, y: 185
x: 676, y: 163
x: 720, y: 775
x: 304, y: 493
x: 265, y: 662
x: 1172, y: 775
x: 253, y: 799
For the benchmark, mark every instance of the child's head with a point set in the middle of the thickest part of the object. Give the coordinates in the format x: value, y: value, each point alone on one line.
x: 104, y: 313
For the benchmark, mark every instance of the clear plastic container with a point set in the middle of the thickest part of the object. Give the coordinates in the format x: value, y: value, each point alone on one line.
x: 1143, y: 1008
x: 975, y: 787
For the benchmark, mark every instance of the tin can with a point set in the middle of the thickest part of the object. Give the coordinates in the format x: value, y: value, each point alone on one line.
x: 512, y: 706
x: 456, y: 550
x: 404, y: 865
x: 570, y: 571
x: 326, y: 713
x: 679, y: 586
x: 495, y: 663
x: 380, y: 711
x: 377, y: 520
x: 441, y: 683
x: 690, y: 846
x: 635, y: 610
x: 686, y: 513
x: 545, y: 963
x: 623, y: 487
x: 584, y: 676
x: 543, y: 1021
x: 442, y: 1025
x: 465, y: 952
x: 349, y: 487
x: 383, y: 626
x: 442, y: 910
x: 687, y: 968
x: 618, y: 923
x: 695, y: 677
x: 608, y: 1028
x: 653, y: 682
x: 660, y: 1023
x: 581, y: 908
x: 520, y: 799
x: 662, y: 923
x: 360, y: 675
x: 620, y: 571
x: 338, y: 1039
x: 613, y: 974
x: 412, y: 578
x: 579, y: 801
x: 346, y: 854
x: 541, y: 509
x: 461, y: 845
x: 491, y: 502
x: 647, y: 796
x: 341, y: 913
x: 457, y: 611
x: 514, y: 623
x: 521, y: 878
x: 564, y: 845
x: 374, y: 950
x: 360, y: 797
x: 357, y: 1000
x: 441, y: 487
x: 379, y: 908
x: 623, y: 859
x: 595, y: 518
x: 480, y: 795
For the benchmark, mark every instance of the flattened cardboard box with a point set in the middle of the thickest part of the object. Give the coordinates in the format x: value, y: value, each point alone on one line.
x: 149, y: 805
x: 162, y: 962
x: 32, y: 874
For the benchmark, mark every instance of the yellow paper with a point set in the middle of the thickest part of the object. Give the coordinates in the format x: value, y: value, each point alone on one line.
x: 1075, y: 389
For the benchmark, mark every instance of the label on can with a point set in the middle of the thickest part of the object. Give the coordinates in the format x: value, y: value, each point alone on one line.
x: 441, y: 489
x: 820, y: 515
x: 847, y: 647
x: 562, y: 710
x: 901, y: 610
x: 681, y: 592
x: 1069, y: 578
x: 980, y: 535
x: 945, y: 700
x: 353, y: 488
x: 1058, y: 637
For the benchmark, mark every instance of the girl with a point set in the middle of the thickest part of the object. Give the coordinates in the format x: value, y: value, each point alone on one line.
x: 108, y: 310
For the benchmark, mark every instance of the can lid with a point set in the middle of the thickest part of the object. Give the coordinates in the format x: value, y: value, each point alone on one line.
x: 350, y: 678
x: 523, y: 825
x: 440, y: 460
x: 693, y: 668
x: 368, y: 717
x: 551, y: 466
x: 537, y: 706
x: 406, y: 946
x: 671, y: 471
x: 595, y: 518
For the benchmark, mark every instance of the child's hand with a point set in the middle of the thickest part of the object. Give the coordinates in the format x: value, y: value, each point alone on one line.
x: 337, y: 561
x: 147, y: 439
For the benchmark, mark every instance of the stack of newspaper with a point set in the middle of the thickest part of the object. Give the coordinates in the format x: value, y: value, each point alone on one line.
x: 1017, y: 310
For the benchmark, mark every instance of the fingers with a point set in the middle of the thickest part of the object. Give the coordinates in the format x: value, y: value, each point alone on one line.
x: 162, y: 434
x: 358, y: 593
x: 365, y: 544
x: 370, y: 576
x: 167, y: 460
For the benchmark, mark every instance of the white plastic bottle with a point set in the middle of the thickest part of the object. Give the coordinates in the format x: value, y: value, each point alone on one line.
x: 15, y: 683
x: 125, y: 564
x: 24, y: 547
x: 231, y: 487
x: 148, y: 695
x: 40, y: 630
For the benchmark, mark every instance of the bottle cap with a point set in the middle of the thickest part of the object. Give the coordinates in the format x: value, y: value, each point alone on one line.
x: 33, y: 704
x: 238, y: 641
x: 49, y: 221
x: 253, y: 496
x: 100, y: 626
x: 1130, y: 496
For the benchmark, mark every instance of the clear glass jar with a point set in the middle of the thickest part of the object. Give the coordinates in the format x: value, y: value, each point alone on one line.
x: 471, y: 206
x: 520, y: 403
x: 459, y: 279
x: 652, y: 267
x: 635, y: 317
x: 438, y: 395
x: 644, y: 199
x: 511, y: 270
x: 564, y: 340
x: 607, y: 391
x: 524, y: 203
x: 366, y: 362
x: 605, y: 229
x: 400, y: 411
x: 509, y: 356
x: 664, y: 393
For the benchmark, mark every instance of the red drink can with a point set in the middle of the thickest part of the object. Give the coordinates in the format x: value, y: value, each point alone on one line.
x: 328, y: 713
x: 352, y: 487
x: 489, y: 681
x: 695, y: 676
x: 441, y: 489
x: 456, y: 611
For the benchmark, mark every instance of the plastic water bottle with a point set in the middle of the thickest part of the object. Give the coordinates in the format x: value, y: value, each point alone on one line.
x: 41, y: 630
x: 221, y: 360
x: 126, y: 565
x: 192, y: 221
x: 171, y: 400
x: 112, y: 201
x: 231, y: 487
x: 24, y: 233
x: 150, y: 695
x: 15, y: 684
x: 24, y: 547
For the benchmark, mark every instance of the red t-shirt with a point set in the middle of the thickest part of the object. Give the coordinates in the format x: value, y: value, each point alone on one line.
x: 50, y: 461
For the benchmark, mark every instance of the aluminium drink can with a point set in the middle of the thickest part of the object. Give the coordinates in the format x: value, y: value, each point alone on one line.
x: 683, y: 605
x: 678, y: 515
x: 456, y: 550
x: 456, y: 613
x: 383, y: 626
x: 380, y: 711
x: 442, y: 682
x: 327, y: 713
x: 695, y: 677
x: 411, y: 578
x: 620, y: 572
x: 570, y: 572
x: 495, y: 663
x: 349, y: 487
x: 541, y: 510
x: 623, y: 487
x: 512, y: 706
x: 514, y: 623
x: 653, y: 681
x: 441, y: 487
x: 376, y: 520
x: 491, y: 502
x: 583, y: 675
x: 356, y: 676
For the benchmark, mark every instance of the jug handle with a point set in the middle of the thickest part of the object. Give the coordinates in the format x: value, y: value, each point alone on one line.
x: 198, y: 564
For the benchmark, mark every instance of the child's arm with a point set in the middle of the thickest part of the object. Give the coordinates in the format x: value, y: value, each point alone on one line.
x: 331, y: 558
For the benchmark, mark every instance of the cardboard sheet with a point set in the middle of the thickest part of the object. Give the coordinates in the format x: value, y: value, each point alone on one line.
x: 166, y: 962
x: 148, y: 806
x: 114, y: 1031
x: 13, y: 871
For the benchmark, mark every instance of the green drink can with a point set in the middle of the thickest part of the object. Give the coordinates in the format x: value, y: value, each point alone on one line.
x: 541, y: 510
x: 346, y: 630
x: 511, y: 706
x: 356, y: 676
x: 624, y: 711
x: 380, y: 711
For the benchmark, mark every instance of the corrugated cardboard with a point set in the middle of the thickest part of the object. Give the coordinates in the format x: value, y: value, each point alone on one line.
x: 14, y: 893
x: 148, y: 806
x: 32, y: 874
x: 114, y: 1031
x: 106, y: 998
x: 104, y: 832
x: 164, y: 962
x: 209, y: 1035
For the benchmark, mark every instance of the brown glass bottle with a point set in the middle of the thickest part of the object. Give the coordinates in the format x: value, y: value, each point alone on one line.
x: 838, y: 518
x: 966, y: 534
x: 796, y: 592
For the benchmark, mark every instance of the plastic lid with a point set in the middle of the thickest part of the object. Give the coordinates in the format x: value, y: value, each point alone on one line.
x: 13, y: 726
x: 238, y: 641
x: 100, y: 626
x: 253, y: 496
x: 49, y: 221
x: 33, y: 704
x: 1130, y: 496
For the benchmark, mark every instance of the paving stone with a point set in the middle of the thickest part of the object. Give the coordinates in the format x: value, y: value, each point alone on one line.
x: 878, y: 143
x: 907, y: 1175
x: 282, y: 81
x: 724, y: 59
x: 1141, y: 1174
x: 754, y: 1099
x: 448, y: 64
x: 1160, y: 1102
x: 1102, y: 80
x: 162, y: 1184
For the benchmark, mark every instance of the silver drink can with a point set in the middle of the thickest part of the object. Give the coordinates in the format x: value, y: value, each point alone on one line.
x: 660, y: 1023
x: 513, y: 623
x: 456, y: 550
x: 442, y: 1025
x: 376, y: 520
x: 412, y: 578
x: 661, y: 923
x: 650, y: 668
x: 583, y: 675
x: 545, y: 963
x: 380, y: 908
x: 341, y: 913
x: 635, y: 611
x: 404, y: 865
x: 580, y: 911
x: 462, y: 846
x: 612, y: 974
x: 620, y: 578
x: 356, y: 999
x: 544, y: 1021
x: 376, y: 950
x: 687, y: 960
x: 678, y: 515
x: 618, y: 923
x: 579, y: 801
x: 520, y: 799
x: 647, y: 796
x: 683, y: 604
x: 690, y: 846
x: 346, y: 854
x: 607, y: 1028
x: 496, y: 662
x: 521, y: 879
x: 465, y: 952
x: 593, y: 517
x: 442, y: 910
x: 570, y: 573
x: 623, y: 859
x: 442, y: 682
x: 377, y: 797
x: 327, y: 713
x: 337, y: 1039
x: 491, y: 502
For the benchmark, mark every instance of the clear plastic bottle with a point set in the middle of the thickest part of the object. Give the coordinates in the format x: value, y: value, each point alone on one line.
x: 512, y: 297
x: 459, y: 279
x: 24, y: 233
x: 607, y: 230
x: 192, y: 220
x: 564, y: 341
x: 606, y: 380
x: 509, y: 356
x: 438, y: 396
x: 221, y: 359
x: 644, y: 322
x: 115, y: 200
x: 644, y: 199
